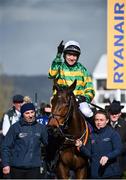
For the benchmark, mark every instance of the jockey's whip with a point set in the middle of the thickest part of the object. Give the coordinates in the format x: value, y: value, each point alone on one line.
x: 97, y: 106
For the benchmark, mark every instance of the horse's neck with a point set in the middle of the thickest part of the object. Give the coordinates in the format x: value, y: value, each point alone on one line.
x: 77, y: 122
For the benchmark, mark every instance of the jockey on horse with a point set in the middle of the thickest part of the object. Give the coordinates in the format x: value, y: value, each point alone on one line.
x: 66, y: 72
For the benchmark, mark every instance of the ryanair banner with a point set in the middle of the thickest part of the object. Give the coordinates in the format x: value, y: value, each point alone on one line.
x: 116, y: 44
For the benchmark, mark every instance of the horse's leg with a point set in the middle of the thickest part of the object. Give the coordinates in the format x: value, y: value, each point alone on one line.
x: 62, y: 171
x: 81, y: 173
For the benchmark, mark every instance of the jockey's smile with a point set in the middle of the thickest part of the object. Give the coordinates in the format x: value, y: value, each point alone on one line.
x: 71, y: 58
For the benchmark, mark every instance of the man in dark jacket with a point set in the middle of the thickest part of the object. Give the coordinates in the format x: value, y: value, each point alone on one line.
x: 21, y: 150
x: 13, y: 114
x: 119, y: 124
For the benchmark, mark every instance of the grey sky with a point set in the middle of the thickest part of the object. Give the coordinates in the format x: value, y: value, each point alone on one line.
x: 30, y: 31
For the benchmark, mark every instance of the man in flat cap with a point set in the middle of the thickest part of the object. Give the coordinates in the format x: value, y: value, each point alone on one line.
x: 13, y: 114
x: 119, y: 124
x: 21, y: 150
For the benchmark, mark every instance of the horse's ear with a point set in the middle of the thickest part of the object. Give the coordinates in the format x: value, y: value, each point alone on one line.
x: 72, y: 87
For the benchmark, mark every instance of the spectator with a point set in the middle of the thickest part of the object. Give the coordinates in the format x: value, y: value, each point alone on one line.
x: 21, y: 150
x: 45, y: 111
x: 1, y: 139
x: 103, y: 148
x: 13, y: 114
x: 42, y: 118
x: 119, y: 124
x: 27, y: 99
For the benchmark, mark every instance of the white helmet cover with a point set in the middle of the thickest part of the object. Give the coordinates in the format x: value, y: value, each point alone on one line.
x: 72, y: 46
x: 71, y: 43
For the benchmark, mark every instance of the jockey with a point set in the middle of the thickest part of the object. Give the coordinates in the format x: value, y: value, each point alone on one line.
x: 66, y: 72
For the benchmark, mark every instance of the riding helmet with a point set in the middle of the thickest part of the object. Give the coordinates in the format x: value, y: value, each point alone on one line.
x: 72, y: 47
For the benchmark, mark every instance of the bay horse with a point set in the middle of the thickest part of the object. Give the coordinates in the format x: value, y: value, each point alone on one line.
x: 71, y: 125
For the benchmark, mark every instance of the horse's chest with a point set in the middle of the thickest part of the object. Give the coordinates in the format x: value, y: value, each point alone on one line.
x: 71, y: 159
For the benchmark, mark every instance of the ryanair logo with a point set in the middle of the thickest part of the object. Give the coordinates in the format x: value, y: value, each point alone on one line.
x: 116, y: 44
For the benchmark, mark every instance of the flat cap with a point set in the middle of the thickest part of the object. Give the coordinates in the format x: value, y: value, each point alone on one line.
x: 18, y: 98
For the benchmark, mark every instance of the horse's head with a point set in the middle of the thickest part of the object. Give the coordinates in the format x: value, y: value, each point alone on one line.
x: 62, y: 104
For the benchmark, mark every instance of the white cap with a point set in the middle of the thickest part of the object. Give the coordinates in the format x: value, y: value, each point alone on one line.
x: 69, y: 43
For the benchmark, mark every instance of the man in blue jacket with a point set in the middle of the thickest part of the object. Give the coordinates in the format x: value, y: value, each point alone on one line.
x: 21, y: 150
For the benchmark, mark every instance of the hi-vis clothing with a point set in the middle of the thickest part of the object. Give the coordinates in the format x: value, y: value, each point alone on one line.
x: 66, y: 75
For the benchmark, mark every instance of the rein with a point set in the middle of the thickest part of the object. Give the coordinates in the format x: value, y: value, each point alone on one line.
x: 86, y: 133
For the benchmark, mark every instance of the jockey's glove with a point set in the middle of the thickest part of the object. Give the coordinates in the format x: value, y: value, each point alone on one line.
x: 60, y: 48
x: 81, y: 99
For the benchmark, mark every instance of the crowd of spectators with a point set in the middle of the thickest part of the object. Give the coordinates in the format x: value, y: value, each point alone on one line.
x: 22, y: 131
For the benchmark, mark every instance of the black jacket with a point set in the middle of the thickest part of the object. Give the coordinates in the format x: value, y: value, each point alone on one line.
x: 120, y: 127
x: 22, y: 145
